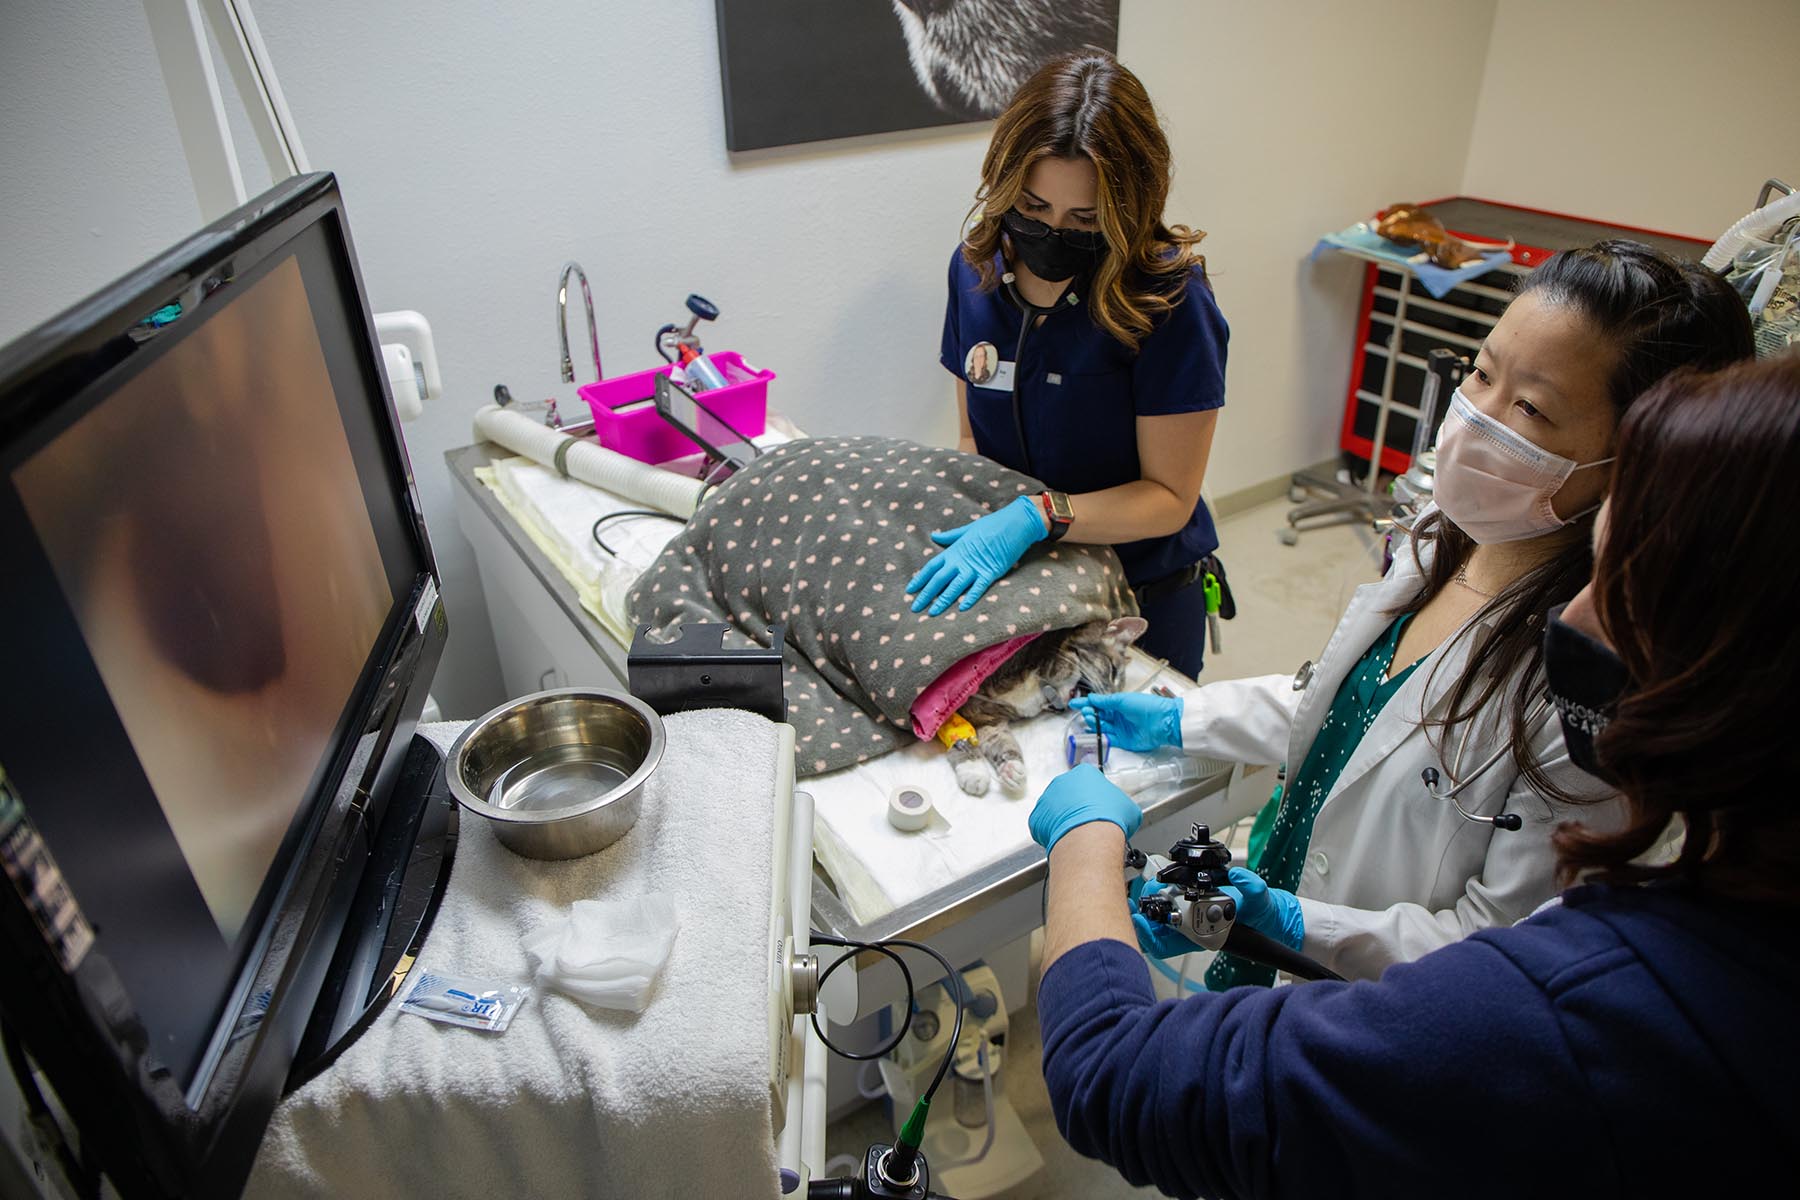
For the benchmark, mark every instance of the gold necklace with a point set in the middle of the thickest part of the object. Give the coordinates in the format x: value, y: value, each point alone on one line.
x: 1462, y: 577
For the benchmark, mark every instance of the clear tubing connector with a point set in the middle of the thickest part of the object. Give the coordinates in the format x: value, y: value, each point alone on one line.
x: 1174, y: 769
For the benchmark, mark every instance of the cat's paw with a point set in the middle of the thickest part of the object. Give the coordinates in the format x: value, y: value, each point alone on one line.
x: 1012, y: 776
x: 972, y: 777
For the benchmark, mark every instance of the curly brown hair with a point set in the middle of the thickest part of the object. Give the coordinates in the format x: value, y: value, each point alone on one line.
x: 1087, y: 105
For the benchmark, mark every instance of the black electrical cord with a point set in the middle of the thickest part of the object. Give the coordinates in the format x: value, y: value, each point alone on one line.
x: 629, y: 512
x: 960, y: 997
x: 856, y: 948
x: 883, y: 947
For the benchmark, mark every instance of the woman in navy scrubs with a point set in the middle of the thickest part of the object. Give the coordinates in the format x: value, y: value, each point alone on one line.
x: 1088, y: 350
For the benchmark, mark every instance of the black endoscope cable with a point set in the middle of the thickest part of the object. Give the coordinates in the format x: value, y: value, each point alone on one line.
x: 1245, y: 942
x: 906, y: 1146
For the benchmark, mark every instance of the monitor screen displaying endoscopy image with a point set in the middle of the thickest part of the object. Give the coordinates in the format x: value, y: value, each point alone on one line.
x: 210, y: 535
x: 223, y: 619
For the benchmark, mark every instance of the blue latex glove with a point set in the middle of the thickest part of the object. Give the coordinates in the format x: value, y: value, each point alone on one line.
x: 978, y: 553
x: 1132, y: 720
x: 1272, y: 912
x: 1077, y: 797
x: 1158, y: 941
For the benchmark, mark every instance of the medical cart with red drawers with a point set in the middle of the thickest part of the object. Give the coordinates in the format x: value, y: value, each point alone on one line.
x: 1460, y: 320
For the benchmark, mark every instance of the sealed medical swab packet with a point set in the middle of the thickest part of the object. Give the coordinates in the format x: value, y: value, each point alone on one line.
x: 460, y: 1000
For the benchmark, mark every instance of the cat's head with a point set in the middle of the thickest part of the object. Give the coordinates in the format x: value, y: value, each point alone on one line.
x: 1090, y: 659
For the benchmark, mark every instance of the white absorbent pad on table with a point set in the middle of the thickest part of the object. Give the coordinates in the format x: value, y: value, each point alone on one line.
x: 558, y: 514
x: 574, y: 1101
x: 878, y: 868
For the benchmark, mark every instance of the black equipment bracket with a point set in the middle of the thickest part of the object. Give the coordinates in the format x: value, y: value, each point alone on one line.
x: 695, y: 670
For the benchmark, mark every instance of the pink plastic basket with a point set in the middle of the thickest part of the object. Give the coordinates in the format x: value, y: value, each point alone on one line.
x: 626, y: 420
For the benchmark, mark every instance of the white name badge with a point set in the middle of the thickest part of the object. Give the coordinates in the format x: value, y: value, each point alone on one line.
x: 1002, y: 379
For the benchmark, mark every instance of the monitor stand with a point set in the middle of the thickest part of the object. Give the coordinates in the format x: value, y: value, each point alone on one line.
x: 402, y: 885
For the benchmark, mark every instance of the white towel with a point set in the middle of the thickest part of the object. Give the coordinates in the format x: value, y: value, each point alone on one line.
x: 571, y: 1101
x: 879, y: 868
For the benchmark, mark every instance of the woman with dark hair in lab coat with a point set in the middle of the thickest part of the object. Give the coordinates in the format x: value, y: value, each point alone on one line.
x: 1088, y: 351
x: 1636, y: 1039
x: 1440, y: 665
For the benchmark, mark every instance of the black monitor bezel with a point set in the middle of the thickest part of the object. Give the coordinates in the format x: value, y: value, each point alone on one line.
x: 150, y: 1133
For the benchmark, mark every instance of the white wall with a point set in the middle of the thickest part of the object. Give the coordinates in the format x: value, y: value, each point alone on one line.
x: 1281, y: 118
x: 1664, y: 114
x: 91, y: 175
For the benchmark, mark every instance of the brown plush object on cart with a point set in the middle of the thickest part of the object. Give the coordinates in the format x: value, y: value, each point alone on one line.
x: 1410, y: 225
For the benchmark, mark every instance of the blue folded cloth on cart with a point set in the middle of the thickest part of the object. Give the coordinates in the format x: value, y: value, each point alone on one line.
x: 1436, y: 280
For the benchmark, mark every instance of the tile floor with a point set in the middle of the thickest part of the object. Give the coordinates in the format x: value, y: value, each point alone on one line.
x: 1289, y: 599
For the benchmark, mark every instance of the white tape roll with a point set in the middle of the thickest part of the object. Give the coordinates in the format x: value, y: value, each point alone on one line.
x: 909, y: 808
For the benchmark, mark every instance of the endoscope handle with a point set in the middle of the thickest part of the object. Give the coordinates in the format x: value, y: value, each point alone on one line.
x: 1245, y: 942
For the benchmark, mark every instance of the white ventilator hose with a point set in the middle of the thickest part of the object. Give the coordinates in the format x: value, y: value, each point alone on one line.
x: 589, y: 462
x: 1760, y: 225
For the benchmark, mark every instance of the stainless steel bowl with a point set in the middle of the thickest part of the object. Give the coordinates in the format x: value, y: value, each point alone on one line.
x: 559, y: 774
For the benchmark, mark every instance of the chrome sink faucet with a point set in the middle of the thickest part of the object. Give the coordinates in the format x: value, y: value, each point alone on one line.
x: 562, y: 320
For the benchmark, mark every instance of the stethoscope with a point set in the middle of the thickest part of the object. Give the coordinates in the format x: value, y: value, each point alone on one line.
x: 1510, y: 822
x: 1029, y: 316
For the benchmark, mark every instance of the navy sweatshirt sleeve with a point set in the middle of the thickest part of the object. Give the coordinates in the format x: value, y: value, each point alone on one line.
x: 1420, y: 1084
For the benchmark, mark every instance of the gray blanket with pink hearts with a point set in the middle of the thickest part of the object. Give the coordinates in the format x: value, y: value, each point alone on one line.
x: 822, y: 535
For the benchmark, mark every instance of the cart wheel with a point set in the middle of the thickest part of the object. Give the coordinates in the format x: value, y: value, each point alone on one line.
x: 1296, y: 494
x: 1289, y: 536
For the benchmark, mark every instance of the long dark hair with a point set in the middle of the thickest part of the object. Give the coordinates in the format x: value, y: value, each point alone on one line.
x: 1087, y: 105
x: 1657, y: 315
x: 1697, y: 589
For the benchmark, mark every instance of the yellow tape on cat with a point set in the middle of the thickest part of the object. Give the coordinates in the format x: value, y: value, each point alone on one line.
x: 955, y: 729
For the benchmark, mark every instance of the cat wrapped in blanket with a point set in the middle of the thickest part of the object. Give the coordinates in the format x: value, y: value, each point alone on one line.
x: 1044, y: 675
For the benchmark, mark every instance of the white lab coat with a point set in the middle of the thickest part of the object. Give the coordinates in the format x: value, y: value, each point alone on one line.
x: 1391, y: 873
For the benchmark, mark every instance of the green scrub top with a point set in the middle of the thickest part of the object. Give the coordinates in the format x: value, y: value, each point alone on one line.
x: 1358, y: 702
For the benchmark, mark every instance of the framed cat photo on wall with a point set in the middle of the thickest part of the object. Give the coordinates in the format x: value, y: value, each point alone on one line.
x: 807, y: 70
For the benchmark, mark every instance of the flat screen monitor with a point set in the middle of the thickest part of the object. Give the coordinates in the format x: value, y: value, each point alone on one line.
x: 222, y: 614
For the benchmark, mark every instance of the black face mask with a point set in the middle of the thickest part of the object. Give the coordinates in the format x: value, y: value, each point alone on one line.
x: 1053, y: 254
x: 1585, y: 680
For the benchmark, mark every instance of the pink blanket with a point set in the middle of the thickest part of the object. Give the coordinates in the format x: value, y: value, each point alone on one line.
x: 947, y: 693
